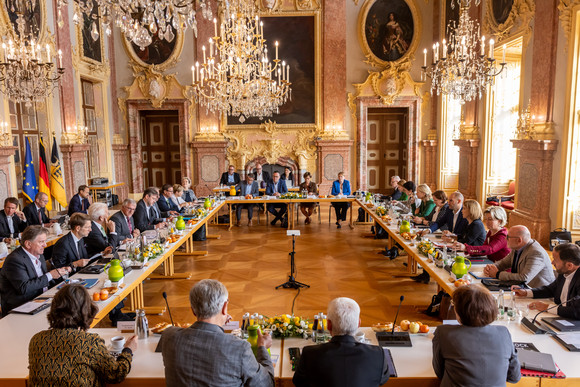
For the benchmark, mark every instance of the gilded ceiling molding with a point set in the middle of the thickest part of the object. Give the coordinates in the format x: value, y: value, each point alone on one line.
x: 518, y: 20
x: 566, y: 8
x: 386, y: 85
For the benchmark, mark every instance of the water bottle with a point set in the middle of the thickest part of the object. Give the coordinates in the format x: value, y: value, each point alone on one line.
x: 314, y: 328
x: 141, y: 325
x: 511, y: 309
x: 500, y: 305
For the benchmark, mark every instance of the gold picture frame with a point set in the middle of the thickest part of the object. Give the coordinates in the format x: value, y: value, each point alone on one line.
x: 160, y: 67
x: 43, y: 31
x: 518, y: 19
x: 394, y: 27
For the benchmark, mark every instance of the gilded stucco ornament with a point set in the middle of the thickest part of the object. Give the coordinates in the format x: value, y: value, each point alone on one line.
x: 518, y: 20
x: 565, y: 7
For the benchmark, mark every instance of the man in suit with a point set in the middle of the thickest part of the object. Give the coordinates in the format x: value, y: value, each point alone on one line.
x: 566, y: 260
x: 35, y: 212
x: 231, y: 177
x: 70, y: 250
x: 247, y: 187
x: 165, y: 203
x: 147, y: 215
x: 124, y: 223
x: 527, y: 260
x: 80, y: 202
x: 103, y: 238
x: 204, y: 354
x: 453, y: 222
x: 12, y: 221
x: 261, y: 177
x: 24, y: 275
x: 277, y: 188
x: 343, y: 361
x: 341, y: 186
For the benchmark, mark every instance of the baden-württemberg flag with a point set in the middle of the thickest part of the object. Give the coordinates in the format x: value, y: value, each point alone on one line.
x: 43, y: 179
x: 56, y: 180
x: 29, y: 187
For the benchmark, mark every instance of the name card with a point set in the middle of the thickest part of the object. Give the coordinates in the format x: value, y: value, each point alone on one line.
x: 126, y: 326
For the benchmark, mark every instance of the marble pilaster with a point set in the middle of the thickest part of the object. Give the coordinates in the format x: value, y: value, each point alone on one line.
x: 74, y: 166
x: 430, y: 166
x: 210, y: 162
x: 468, y: 152
x: 533, y: 187
x: 6, y: 153
x: 333, y: 157
x: 121, y: 158
x: 66, y: 87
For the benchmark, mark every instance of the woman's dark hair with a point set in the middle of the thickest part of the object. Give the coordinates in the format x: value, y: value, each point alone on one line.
x: 441, y: 195
x: 474, y: 305
x: 72, y: 307
x: 410, y: 186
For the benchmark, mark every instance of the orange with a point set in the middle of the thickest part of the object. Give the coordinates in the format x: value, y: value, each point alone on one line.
x: 104, y: 294
x: 96, y: 296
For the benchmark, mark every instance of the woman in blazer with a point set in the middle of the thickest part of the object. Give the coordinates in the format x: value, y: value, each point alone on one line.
x: 340, y: 187
x: 474, y: 353
x: 474, y: 234
x: 66, y: 354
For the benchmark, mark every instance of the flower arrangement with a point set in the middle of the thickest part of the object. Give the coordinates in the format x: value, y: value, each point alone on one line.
x: 381, y: 210
x: 291, y: 195
x: 286, y: 326
x: 426, y: 247
x: 152, y: 251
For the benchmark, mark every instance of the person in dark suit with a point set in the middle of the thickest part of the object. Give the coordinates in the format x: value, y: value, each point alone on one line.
x: 474, y: 353
x: 288, y: 177
x: 527, y: 262
x: 231, y: 177
x: 247, y: 187
x: 147, y: 215
x: 70, y: 250
x: 277, y: 188
x: 566, y: 260
x: 35, y: 212
x: 24, y: 275
x: 325, y: 364
x: 12, y: 221
x: 165, y: 203
x: 204, y: 355
x: 124, y: 223
x: 261, y: 177
x: 474, y: 233
x: 340, y: 187
x: 103, y: 238
x: 453, y: 222
x: 80, y: 202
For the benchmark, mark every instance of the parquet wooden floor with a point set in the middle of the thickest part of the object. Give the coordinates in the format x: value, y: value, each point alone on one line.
x: 251, y: 262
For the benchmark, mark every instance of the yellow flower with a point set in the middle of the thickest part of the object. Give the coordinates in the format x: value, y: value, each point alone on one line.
x: 296, y: 320
x: 310, y: 326
x: 271, y: 320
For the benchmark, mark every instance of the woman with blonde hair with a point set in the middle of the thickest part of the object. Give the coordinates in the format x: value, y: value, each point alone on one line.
x: 495, y: 245
x: 427, y: 204
x: 475, y: 232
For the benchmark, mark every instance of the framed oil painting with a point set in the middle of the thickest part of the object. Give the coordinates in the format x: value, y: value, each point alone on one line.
x: 161, y: 53
x: 32, y: 13
x: 501, y: 10
x: 91, y: 29
x: 451, y: 16
x: 389, y: 30
x: 297, y: 46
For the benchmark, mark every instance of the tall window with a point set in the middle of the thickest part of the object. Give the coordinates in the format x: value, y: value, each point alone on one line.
x: 24, y: 123
x: 449, y: 155
x: 90, y: 119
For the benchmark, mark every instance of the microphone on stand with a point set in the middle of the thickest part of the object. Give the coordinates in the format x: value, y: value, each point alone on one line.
x: 397, y: 315
x: 168, y: 310
x: 531, y: 325
x: 392, y: 338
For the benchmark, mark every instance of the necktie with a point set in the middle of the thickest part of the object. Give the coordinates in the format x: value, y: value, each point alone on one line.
x: 515, y: 262
x: 129, y: 224
x: 82, y: 204
x: 103, y: 232
x: 79, y: 249
x: 40, y: 215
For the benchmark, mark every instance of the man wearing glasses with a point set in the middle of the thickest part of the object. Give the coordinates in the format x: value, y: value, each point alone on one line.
x: 165, y: 203
x: 124, y: 223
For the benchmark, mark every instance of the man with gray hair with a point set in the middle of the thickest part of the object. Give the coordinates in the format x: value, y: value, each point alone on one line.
x: 527, y: 260
x: 103, y: 236
x: 204, y: 354
x: 124, y: 222
x: 343, y: 361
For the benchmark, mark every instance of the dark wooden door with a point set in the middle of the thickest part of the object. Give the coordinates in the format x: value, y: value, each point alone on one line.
x: 160, y: 147
x: 387, y: 137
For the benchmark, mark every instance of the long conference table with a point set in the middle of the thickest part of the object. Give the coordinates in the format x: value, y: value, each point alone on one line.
x: 413, y: 364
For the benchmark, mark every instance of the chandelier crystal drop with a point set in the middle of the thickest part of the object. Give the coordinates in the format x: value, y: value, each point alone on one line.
x: 236, y: 76
x: 28, y: 72
x: 462, y: 66
x: 140, y: 20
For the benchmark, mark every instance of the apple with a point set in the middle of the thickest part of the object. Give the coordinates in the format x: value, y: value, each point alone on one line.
x: 405, y: 325
x: 414, y: 327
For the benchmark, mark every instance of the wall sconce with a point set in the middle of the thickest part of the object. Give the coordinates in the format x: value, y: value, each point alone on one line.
x: 209, y: 131
x: 77, y: 134
x: 525, y: 129
x: 334, y: 131
x: 5, y: 134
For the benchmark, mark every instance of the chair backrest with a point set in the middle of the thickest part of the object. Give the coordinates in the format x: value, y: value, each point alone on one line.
x: 512, y: 188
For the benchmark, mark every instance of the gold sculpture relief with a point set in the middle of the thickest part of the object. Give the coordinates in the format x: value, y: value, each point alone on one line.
x: 518, y: 20
x: 386, y: 85
x: 566, y: 13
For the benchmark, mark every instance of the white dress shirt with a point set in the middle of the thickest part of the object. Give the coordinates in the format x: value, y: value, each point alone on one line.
x: 38, y: 267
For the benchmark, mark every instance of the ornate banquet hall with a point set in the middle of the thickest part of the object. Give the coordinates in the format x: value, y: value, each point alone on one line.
x: 475, y: 96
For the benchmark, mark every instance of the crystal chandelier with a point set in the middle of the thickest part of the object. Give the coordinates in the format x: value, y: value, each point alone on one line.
x: 140, y: 20
x: 28, y: 72
x: 460, y: 67
x: 236, y: 76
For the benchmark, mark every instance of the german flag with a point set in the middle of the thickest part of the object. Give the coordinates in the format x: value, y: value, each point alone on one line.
x: 43, y: 176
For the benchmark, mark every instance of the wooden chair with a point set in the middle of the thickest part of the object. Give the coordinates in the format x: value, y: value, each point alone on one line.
x: 504, y: 199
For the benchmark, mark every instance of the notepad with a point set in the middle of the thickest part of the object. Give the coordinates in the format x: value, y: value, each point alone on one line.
x: 34, y: 306
x: 537, y: 361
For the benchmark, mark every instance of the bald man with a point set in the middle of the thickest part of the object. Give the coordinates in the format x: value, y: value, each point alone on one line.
x: 527, y: 260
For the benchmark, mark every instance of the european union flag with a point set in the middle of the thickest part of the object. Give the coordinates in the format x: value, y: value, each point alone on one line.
x: 29, y: 187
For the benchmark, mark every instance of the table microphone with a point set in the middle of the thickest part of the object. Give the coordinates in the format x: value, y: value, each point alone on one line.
x: 392, y: 338
x: 555, y: 306
x: 531, y: 325
x: 168, y: 310
x: 397, y: 315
